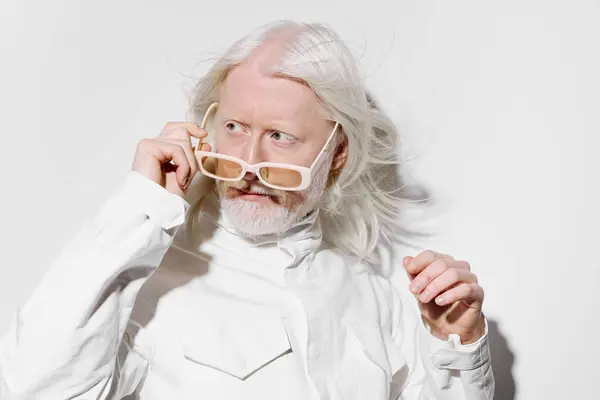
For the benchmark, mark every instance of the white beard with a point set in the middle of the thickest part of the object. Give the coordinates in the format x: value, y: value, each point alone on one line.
x: 254, y: 219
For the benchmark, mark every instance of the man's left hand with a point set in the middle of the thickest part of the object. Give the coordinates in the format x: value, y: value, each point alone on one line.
x: 448, y: 293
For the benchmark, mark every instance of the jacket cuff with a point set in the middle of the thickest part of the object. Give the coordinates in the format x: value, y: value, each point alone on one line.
x: 473, y: 360
x: 452, y: 354
x: 166, y: 209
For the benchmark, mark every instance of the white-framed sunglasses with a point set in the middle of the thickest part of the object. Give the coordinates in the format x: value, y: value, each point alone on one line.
x: 274, y: 175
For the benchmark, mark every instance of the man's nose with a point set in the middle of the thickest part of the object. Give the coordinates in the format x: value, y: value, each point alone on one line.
x: 252, y: 153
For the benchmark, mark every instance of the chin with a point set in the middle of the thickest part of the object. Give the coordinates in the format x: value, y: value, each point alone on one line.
x: 257, y: 218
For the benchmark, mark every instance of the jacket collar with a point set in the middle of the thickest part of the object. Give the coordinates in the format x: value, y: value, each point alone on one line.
x: 303, y: 238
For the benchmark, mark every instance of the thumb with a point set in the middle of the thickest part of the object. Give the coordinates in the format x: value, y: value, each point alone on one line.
x: 405, y: 261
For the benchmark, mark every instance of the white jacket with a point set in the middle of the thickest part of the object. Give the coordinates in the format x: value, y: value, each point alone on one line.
x: 221, y: 316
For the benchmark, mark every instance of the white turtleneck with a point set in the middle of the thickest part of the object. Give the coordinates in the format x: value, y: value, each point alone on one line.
x: 141, y: 305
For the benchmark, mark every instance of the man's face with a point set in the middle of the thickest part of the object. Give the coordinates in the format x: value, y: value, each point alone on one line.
x: 261, y: 118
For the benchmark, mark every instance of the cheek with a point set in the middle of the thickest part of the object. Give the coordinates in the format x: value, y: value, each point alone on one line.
x: 229, y: 145
x: 223, y: 191
x: 221, y: 187
x: 292, y: 200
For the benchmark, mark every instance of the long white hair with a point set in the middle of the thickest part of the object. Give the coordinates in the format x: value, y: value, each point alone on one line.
x: 361, y: 212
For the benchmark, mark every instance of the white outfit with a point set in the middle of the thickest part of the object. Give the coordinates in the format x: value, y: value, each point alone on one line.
x: 222, y: 316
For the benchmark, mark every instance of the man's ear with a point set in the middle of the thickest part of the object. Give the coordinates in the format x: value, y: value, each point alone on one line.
x: 339, y: 161
x: 341, y: 155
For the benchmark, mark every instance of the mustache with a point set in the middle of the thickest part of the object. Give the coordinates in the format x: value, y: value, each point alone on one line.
x: 251, y: 187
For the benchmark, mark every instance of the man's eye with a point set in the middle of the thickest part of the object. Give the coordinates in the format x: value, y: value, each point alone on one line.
x: 282, y: 137
x: 234, y: 127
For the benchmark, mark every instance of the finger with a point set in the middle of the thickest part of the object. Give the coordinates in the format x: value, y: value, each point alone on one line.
x: 167, y: 152
x: 199, y: 143
x: 451, y: 277
x: 192, y: 128
x: 405, y: 261
x: 200, y: 159
x: 432, y: 271
x: 203, y: 147
x: 471, y: 293
x: 189, y: 153
x: 185, y: 130
x: 460, y: 264
x: 418, y: 263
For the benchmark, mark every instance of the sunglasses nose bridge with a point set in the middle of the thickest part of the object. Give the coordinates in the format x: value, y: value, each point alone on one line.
x: 250, y: 176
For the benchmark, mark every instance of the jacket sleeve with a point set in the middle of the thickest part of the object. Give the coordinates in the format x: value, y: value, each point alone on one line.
x: 66, y: 342
x: 438, y: 369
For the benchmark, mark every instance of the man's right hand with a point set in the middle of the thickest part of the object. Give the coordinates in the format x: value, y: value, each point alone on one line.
x: 169, y: 159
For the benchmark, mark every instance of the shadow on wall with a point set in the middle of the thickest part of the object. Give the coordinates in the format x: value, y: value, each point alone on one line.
x: 503, y: 360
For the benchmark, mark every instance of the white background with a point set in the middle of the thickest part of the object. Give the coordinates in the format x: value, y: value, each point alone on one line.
x: 498, y: 101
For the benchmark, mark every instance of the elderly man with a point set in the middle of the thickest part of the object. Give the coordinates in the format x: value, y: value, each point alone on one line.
x: 244, y: 256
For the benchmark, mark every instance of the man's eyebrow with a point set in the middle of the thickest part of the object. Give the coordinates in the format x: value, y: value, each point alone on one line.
x: 238, y: 120
x: 294, y: 131
x: 272, y: 126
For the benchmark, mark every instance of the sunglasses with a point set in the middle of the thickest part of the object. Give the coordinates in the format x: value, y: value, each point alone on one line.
x: 274, y: 175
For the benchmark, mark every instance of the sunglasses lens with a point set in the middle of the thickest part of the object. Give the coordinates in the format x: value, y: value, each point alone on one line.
x: 282, y: 177
x: 222, y: 168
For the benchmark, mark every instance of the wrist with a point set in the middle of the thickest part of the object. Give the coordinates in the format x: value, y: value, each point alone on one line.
x: 476, y: 333
x: 469, y: 337
x: 433, y: 331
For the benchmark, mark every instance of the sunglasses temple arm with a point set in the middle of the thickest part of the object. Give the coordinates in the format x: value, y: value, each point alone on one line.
x: 205, y: 120
x: 335, y: 128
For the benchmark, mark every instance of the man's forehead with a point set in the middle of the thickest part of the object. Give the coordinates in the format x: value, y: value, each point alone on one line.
x: 250, y: 93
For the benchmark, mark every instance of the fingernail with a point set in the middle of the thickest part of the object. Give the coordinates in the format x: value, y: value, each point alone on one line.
x: 415, y: 288
x: 424, y: 296
x: 440, y: 300
x: 187, y: 182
